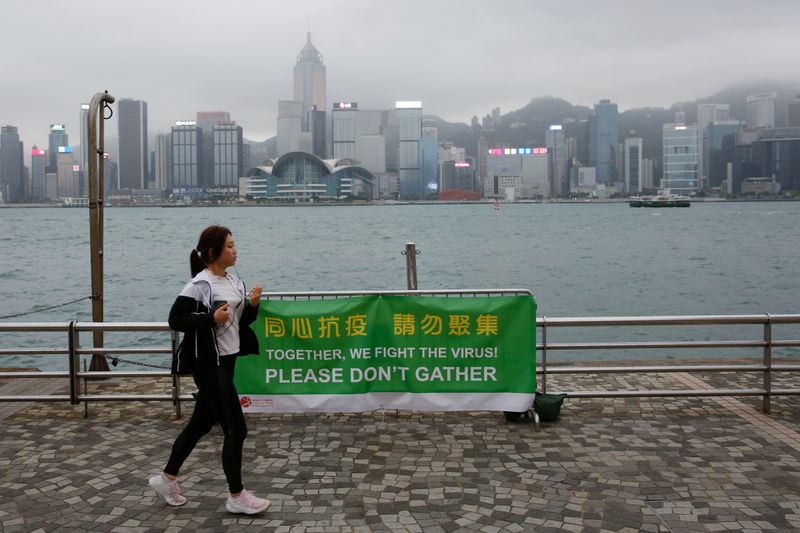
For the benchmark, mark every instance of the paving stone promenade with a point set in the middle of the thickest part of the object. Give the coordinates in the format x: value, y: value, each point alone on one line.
x: 712, y: 464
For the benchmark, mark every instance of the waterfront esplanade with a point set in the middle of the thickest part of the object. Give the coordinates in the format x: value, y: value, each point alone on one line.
x: 301, y: 176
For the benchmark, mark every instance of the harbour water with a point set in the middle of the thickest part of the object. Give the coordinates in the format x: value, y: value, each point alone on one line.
x: 599, y: 259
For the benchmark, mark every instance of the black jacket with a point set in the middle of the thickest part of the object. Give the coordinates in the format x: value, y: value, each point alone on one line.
x: 191, y: 314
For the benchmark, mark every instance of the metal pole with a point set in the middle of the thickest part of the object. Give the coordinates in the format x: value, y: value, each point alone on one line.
x: 544, y: 355
x: 766, y: 402
x: 74, y: 384
x: 94, y: 153
x: 176, y: 379
x: 411, y: 265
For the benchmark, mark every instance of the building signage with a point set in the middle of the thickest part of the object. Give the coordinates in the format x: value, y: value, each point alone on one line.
x: 518, y: 151
x: 65, y: 149
x: 462, y: 164
x: 394, y: 352
x: 186, y: 123
x: 408, y: 104
x: 37, y: 151
x: 345, y: 105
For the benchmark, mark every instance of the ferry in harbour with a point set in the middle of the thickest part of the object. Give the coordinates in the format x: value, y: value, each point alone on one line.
x: 662, y: 199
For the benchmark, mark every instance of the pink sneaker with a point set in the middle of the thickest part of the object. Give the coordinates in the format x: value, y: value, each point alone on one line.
x: 168, y: 489
x: 246, y: 503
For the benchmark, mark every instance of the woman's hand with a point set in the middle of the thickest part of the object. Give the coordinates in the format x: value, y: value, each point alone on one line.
x: 255, y: 294
x: 221, y: 315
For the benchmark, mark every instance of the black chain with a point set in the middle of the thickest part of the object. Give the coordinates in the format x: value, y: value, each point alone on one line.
x: 46, y: 308
x: 116, y: 360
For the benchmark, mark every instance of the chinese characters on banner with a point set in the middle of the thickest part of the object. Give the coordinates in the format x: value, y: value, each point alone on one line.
x: 396, y: 352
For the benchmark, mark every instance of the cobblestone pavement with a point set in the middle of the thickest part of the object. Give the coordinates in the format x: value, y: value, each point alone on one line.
x: 675, y: 464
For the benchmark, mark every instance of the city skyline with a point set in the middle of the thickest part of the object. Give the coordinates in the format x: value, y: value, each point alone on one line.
x: 458, y: 67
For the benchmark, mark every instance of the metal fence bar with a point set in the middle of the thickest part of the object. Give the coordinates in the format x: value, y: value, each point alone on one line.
x: 766, y: 403
x: 766, y: 344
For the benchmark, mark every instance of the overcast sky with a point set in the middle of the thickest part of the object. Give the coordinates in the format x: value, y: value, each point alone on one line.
x: 459, y: 57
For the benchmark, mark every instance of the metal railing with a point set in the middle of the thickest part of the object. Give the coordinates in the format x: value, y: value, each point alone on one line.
x: 764, y: 345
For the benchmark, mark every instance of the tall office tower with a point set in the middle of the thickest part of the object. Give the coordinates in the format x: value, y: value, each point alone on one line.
x: 409, y: 116
x: 556, y: 145
x: 83, y: 160
x: 793, y: 113
x: 163, y: 168
x: 632, y: 164
x: 603, y: 139
x: 429, y: 157
x: 309, y: 82
x: 319, y: 137
x: 206, y: 120
x: 67, y: 171
x: 483, y: 151
x: 133, y: 153
x: 38, y: 173
x: 228, y: 154
x: 110, y: 174
x: 706, y: 114
x: 290, y: 126
x: 187, y: 154
x: 12, y: 184
x: 247, y: 157
x: 345, y: 130
x: 680, y: 158
x: 57, y: 137
x: 720, y: 142
x: 761, y: 110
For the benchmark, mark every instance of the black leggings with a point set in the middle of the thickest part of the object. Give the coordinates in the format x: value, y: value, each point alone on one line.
x: 217, y: 402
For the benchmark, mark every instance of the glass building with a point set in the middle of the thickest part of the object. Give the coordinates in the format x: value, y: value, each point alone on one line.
x: 304, y: 177
x: 228, y: 154
x: 603, y: 139
x: 680, y: 158
x: 409, y: 118
x: 187, y: 141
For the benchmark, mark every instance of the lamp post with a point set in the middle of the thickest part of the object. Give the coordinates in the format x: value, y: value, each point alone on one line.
x: 95, y: 154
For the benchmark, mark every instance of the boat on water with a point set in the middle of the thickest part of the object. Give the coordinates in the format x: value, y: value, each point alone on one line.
x: 662, y: 199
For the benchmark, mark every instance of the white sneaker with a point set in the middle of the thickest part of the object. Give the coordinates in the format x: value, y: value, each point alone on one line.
x: 168, y: 489
x: 246, y: 503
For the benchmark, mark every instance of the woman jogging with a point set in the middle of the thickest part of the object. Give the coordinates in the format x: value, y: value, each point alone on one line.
x: 213, y: 311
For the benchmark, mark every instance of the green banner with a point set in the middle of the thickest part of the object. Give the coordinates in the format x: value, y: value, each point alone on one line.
x: 414, y: 352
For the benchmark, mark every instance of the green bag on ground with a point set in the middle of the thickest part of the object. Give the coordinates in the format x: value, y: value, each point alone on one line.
x: 548, y: 406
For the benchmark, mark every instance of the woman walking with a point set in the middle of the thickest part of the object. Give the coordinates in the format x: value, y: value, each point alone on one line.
x: 213, y: 311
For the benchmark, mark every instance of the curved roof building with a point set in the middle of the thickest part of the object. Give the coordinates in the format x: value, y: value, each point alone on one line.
x: 304, y: 176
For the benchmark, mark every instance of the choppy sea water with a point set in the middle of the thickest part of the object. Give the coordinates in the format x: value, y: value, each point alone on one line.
x: 594, y: 259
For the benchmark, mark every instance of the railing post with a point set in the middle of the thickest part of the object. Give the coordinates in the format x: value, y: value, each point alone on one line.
x: 411, y: 265
x: 176, y: 379
x: 766, y: 403
x: 72, y: 343
x: 544, y: 355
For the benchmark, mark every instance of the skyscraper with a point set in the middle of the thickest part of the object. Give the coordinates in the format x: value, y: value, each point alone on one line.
x: 228, y: 154
x: 632, y: 164
x: 706, y: 114
x: 58, y: 137
x: 12, y: 185
x: 290, y: 126
x: 83, y: 161
x: 163, y: 174
x: 310, y: 92
x: 761, y: 110
x: 409, y: 116
x: 38, y: 172
x: 187, y: 150
x: 557, y: 149
x: 206, y: 120
x: 345, y: 130
x: 793, y: 113
x: 680, y: 158
x: 309, y: 81
x: 603, y: 139
x: 133, y: 152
